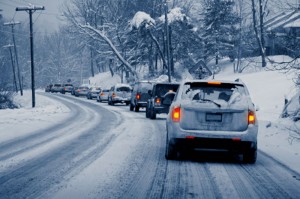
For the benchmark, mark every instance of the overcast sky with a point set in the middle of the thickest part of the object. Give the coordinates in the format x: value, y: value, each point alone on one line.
x: 44, y: 21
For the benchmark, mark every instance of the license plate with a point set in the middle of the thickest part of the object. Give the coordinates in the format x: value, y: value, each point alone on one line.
x: 213, y: 117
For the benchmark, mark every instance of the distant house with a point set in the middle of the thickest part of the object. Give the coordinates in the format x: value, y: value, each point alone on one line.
x: 283, y: 34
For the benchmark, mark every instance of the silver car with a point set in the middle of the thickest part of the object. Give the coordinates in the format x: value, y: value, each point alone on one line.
x: 103, y: 95
x: 212, y: 115
x: 120, y: 93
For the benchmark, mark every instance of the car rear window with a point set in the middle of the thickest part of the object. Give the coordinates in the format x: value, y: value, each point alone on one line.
x: 206, y: 91
x: 162, y: 89
x: 123, y: 88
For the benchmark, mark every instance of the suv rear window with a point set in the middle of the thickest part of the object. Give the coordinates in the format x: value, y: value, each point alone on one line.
x: 206, y: 91
x: 162, y: 89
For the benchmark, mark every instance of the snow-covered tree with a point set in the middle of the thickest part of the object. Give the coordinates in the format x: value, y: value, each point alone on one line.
x: 219, y: 29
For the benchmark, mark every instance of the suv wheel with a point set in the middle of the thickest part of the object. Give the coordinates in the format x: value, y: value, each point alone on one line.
x: 137, y: 108
x: 131, y: 107
x: 147, y: 112
x: 152, y: 114
x: 250, y: 155
x: 171, y: 153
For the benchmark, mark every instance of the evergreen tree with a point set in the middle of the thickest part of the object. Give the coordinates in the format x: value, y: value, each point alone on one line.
x: 219, y: 29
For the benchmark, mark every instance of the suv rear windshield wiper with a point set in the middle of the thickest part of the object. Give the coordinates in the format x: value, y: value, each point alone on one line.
x: 208, y: 100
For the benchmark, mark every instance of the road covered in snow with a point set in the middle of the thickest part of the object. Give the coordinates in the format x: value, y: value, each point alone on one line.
x: 92, y: 150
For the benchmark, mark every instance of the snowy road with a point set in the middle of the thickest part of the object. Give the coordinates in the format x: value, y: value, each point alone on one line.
x: 103, y: 151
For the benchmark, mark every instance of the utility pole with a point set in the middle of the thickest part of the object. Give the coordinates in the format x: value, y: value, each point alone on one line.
x: 31, y: 9
x: 168, y: 40
x: 12, y: 24
x: 13, y: 65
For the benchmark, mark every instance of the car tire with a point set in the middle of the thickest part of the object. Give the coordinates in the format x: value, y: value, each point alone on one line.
x: 250, y: 156
x: 131, y: 107
x: 170, y: 153
x: 137, y: 108
x: 152, y: 114
x: 147, y: 112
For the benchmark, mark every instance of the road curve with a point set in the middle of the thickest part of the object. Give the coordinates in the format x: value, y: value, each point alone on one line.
x: 120, y: 154
x: 43, y: 158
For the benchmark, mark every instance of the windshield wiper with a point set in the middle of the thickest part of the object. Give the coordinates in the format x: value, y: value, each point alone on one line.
x: 208, y: 100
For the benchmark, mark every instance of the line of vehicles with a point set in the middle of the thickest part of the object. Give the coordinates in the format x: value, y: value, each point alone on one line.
x: 201, y: 114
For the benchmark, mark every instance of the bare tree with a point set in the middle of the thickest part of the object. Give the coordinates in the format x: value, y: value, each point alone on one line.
x: 259, y: 33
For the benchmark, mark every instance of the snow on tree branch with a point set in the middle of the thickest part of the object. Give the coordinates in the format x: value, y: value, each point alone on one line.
x: 174, y: 15
x: 140, y: 18
x: 92, y: 32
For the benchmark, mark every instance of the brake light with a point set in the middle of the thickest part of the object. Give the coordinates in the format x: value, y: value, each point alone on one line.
x: 251, y: 117
x: 176, y: 114
x: 102, y: 94
x: 214, y: 83
x: 138, y: 96
x: 157, y: 101
x: 114, y: 95
x: 78, y: 90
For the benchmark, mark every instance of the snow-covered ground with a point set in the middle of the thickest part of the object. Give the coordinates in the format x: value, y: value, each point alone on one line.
x: 267, y: 88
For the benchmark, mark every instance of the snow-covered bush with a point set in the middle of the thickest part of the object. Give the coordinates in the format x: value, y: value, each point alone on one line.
x: 292, y: 108
x: 6, y: 100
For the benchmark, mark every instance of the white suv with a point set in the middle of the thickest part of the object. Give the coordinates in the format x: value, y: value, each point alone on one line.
x: 212, y: 115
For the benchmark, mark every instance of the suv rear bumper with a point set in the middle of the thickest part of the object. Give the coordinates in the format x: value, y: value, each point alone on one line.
x: 141, y: 104
x: 161, y: 109
x: 212, y: 144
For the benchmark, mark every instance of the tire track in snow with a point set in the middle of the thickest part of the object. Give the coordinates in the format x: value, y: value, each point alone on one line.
x: 35, y: 176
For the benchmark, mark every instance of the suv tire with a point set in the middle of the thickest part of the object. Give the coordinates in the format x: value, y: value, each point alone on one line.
x: 171, y: 153
x: 131, y: 107
x: 137, y: 108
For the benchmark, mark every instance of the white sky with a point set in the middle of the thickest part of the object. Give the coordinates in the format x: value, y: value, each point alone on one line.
x: 44, y: 21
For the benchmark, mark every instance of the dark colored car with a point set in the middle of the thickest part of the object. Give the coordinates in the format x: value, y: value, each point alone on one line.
x: 57, y: 88
x: 67, y: 88
x: 140, y: 95
x: 161, y: 94
x: 93, y: 92
x: 48, y: 88
x: 73, y: 90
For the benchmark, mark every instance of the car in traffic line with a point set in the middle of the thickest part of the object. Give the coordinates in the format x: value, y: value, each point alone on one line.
x: 212, y: 115
x: 81, y: 91
x: 48, y: 88
x: 103, y: 95
x: 93, y: 92
x: 155, y: 104
x: 56, y: 88
x: 67, y: 88
x: 140, y: 95
x: 120, y: 93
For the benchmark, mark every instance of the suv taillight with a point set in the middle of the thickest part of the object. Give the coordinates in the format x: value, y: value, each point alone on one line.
x: 138, y: 96
x: 251, y: 117
x: 114, y: 95
x: 157, y: 101
x: 176, y: 114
